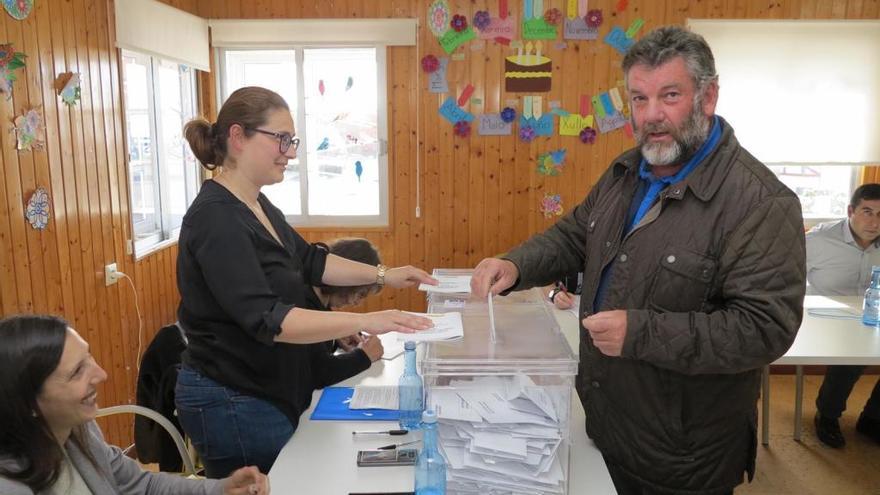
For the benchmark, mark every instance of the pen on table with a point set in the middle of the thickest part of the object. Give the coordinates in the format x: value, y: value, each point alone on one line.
x: 386, y: 432
x: 396, y: 445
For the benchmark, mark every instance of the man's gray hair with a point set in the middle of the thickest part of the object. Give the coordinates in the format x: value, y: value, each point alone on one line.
x: 663, y: 44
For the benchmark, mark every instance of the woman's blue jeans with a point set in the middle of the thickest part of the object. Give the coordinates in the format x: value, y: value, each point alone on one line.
x: 229, y: 429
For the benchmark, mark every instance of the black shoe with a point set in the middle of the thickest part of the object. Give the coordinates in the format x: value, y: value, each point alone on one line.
x: 869, y: 427
x: 828, y: 431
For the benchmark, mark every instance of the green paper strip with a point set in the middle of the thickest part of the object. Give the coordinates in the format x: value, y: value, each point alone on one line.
x: 634, y: 27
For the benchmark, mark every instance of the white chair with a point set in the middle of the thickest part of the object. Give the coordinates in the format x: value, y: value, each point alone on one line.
x: 188, y: 464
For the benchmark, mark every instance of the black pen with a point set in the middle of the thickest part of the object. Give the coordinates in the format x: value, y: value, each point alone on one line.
x: 395, y: 445
x: 386, y: 432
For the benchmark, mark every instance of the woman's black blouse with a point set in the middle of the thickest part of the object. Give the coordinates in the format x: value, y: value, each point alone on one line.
x: 237, y: 283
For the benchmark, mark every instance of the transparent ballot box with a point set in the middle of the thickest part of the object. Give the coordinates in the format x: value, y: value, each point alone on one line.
x: 503, y: 401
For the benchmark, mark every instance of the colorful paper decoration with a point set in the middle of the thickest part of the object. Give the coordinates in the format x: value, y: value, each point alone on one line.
x: 587, y: 135
x: 10, y: 60
x: 534, y: 118
x: 609, y: 116
x: 462, y: 128
x: 438, y: 17
x: 594, y: 18
x: 437, y: 81
x: 67, y: 86
x: 551, y: 162
x: 618, y: 40
x: 530, y: 72
x: 325, y: 143
x: 553, y: 16
x: 430, y: 64
x: 576, y: 27
x: 26, y: 128
x: 452, y: 39
x: 465, y: 95
x: 358, y: 169
x: 482, y: 19
x: 37, y: 210
x: 534, y: 25
x: 19, y: 9
x: 508, y: 115
x: 458, y: 23
x: 622, y: 5
x: 453, y: 113
x: 492, y: 124
x: 572, y: 124
x: 527, y: 134
x: 551, y: 205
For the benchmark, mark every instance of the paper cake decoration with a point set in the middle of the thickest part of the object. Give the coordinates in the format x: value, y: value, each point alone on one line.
x: 528, y: 72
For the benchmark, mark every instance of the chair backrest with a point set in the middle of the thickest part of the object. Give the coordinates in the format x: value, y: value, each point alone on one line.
x: 188, y: 464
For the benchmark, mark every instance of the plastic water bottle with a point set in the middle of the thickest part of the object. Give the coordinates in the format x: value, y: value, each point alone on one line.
x: 871, y: 307
x: 410, y: 390
x: 430, y: 466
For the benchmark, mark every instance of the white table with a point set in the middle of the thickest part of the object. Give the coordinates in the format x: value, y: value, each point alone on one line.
x: 321, y: 447
x: 824, y: 340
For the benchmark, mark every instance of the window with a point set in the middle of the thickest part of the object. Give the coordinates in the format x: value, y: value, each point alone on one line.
x: 824, y: 190
x: 160, y: 97
x: 337, y: 97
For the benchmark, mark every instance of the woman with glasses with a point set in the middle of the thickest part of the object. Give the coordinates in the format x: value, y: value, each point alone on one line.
x: 244, y: 275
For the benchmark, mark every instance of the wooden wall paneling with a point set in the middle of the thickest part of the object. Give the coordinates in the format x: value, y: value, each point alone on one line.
x: 10, y: 241
x: 492, y: 103
x: 401, y: 120
x: 871, y: 9
x: 476, y: 208
x: 14, y: 194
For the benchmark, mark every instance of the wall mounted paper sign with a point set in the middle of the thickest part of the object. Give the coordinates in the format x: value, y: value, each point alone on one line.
x: 573, y: 123
x: 618, y: 40
x: 438, y: 17
x: 454, y: 113
x: 576, y: 27
x: 452, y: 39
x: 37, y: 210
x: 67, y: 86
x: 609, y: 122
x: 500, y: 28
x: 490, y: 124
x: 458, y: 57
x: 18, y: 9
x: 437, y: 81
x: 534, y: 25
x: 27, y: 128
x: 10, y: 60
x: 528, y: 73
x: 551, y: 205
x: 543, y: 125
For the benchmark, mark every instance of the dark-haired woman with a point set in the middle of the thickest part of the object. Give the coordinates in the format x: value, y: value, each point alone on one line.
x: 243, y: 276
x: 49, y: 442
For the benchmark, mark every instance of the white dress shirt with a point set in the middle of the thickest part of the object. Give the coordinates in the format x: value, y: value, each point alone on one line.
x: 836, y: 264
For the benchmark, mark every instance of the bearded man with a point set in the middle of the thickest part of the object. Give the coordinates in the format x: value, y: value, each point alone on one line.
x: 692, y: 255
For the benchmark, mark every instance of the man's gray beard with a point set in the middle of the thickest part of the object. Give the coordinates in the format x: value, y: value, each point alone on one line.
x: 686, y: 141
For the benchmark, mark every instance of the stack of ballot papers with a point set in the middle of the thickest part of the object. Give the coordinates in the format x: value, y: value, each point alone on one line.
x: 503, y: 434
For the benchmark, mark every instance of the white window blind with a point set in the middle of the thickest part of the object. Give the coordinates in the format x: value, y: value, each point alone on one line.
x: 799, y: 91
x: 157, y: 29
x: 269, y: 33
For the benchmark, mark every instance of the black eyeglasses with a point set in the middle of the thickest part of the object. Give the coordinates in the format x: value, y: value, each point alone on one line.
x: 285, y: 140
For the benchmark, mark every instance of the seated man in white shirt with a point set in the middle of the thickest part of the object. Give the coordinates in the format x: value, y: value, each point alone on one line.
x: 840, y: 255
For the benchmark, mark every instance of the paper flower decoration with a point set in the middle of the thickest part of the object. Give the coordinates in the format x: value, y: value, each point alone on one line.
x: 588, y: 135
x: 508, y: 115
x: 438, y: 17
x: 482, y: 20
x: 458, y: 23
x: 553, y: 16
x: 462, y: 128
x: 26, y: 128
x: 37, y: 211
x: 430, y: 64
x: 10, y: 60
x: 527, y: 134
x: 18, y: 9
x: 594, y: 18
x: 551, y: 162
x: 551, y: 205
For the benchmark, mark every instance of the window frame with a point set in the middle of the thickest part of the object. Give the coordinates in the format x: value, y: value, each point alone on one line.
x: 382, y: 220
x: 165, y: 234
x: 855, y: 181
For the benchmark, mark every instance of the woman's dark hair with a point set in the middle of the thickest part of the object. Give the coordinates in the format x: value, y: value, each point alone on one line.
x: 355, y: 249
x: 248, y: 107
x: 31, y: 350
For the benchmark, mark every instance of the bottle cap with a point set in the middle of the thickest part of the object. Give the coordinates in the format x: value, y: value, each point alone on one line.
x: 409, y: 345
x: 429, y: 416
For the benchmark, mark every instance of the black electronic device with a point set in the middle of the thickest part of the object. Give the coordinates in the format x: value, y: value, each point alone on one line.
x: 394, y: 457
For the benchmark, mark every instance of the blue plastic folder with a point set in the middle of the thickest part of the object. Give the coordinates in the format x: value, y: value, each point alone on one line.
x: 333, y: 406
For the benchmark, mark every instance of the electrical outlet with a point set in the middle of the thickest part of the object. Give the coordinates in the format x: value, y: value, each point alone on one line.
x: 110, y: 274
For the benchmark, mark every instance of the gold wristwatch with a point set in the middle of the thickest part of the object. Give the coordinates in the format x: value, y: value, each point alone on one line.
x: 380, y: 274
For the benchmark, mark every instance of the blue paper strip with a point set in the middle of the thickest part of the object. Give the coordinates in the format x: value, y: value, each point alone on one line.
x: 454, y: 113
